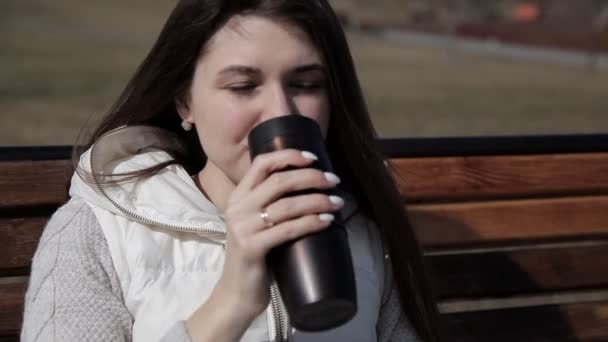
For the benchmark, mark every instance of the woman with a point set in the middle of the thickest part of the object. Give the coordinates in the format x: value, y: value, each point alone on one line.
x: 169, y: 222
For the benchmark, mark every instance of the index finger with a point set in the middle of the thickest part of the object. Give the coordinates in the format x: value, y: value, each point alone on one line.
x: 265, y: 164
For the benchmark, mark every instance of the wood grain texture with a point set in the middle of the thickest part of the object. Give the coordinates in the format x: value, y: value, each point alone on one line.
x: 420, y: 179
x: 18, y: 241
x: 555, y: 323
x: 468, y: 224
x: 492, y: 177
x: 438, y: 226
x: 527, y: 271
x: 486, y: 273
x: 33, y: 183
x: 11, y: 307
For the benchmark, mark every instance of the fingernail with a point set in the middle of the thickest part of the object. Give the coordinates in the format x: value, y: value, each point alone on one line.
x: 309, y: 155
x: 337, y: 201
x: 332, y: 177
x: 326, y: 217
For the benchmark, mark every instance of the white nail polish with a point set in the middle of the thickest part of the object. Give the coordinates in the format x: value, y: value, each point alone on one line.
x: 309, y: 155
x: 326, y: 217
x: 337, y: 201
x: 332, y: 177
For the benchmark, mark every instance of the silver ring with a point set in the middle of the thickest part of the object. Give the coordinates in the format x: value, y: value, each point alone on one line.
x: 266, y: 218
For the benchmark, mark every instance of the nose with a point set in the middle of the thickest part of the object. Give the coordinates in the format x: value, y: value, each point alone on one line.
x: 279, y: 103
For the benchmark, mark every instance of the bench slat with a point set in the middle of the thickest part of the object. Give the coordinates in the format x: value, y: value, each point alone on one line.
x: 486, y: 273
x: 438, y: 226
x: 528, y: 271
x: 421, y: 179
x: 11, y: 307
x: 479, y: 223
x: 586, y: 321
x: 555, y: 323
x: 492, y: 177
x: 18, y: 242
x: 34, y: 183
x: 14, y: 338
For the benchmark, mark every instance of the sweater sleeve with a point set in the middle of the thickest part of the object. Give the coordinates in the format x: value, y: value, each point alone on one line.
x: 393, y: 324
x: 74, y: 293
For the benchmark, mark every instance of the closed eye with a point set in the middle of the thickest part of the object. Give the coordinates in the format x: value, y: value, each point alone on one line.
x: 242, y: 88
x: 307, y: 86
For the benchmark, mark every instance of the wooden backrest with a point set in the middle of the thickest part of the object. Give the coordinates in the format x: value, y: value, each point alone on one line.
x: 32, y: 185
x: 516, y: 235
x: 515, y: 230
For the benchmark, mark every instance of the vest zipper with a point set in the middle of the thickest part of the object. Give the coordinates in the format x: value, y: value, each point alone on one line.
x: 281, y: 320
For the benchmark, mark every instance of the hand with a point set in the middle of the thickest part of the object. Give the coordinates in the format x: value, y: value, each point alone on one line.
x: 245, y: 277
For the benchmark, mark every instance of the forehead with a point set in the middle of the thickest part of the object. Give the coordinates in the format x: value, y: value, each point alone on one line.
x: 260, y: 41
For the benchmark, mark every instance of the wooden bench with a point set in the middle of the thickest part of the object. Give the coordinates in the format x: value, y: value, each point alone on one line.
x: 515, y: 230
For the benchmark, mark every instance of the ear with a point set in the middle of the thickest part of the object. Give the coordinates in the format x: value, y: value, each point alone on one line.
x: 182, y: 105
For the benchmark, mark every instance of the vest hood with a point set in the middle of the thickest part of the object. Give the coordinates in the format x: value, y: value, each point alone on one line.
x: 167, y: 199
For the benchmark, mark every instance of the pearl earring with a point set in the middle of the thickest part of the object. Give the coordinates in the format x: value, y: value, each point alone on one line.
x: 186, y: 126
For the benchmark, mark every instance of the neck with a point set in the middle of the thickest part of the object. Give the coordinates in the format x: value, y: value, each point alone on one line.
x: 215, y: 185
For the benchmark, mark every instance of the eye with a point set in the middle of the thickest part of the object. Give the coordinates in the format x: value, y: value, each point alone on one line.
x: 242, y: 88
x: 308, y: 86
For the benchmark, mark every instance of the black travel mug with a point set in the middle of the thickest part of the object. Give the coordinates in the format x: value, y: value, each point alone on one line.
x: 315, y: 273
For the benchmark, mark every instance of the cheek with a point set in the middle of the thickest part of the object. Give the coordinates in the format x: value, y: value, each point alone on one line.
x: 316, y: 108
x: 223, y: 138
x: 223, y: 119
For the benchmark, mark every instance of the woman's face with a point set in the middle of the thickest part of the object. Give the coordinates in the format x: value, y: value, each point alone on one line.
x: 253, y: 69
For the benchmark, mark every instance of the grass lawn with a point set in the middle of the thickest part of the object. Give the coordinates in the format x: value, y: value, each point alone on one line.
x: 64, y: 62
x: 415, y: 91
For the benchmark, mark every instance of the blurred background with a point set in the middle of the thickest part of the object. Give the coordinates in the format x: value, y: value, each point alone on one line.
x: 428, y: 67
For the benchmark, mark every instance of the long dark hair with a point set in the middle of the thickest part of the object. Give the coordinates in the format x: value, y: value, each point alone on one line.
x: 166, y: 74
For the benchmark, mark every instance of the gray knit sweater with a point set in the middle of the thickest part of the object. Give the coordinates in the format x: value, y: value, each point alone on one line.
x: 74, y: 292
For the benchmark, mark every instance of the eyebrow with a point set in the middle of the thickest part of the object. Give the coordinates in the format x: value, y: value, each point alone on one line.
x: 239, y: 69
x: 251, y: 71
x: 308, y: 68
